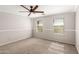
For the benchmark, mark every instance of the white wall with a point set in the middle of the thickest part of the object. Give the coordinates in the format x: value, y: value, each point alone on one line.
x: 69, y: 27
x: 13, y: 28
x: 77, y: 29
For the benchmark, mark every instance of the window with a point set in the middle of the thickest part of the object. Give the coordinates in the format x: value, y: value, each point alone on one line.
x: 58, y: 25
x: 39, y: 26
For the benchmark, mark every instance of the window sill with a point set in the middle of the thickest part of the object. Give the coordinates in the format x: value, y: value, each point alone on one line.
x: 59, y: 33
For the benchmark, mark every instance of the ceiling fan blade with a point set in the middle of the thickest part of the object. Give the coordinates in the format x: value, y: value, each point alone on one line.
x: 38, y: 11
x: 24, y: 7
x: 29, y: 14
x: 35, y: 7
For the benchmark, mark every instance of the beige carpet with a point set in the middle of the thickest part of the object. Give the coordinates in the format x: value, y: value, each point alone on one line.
x: 37, y: 46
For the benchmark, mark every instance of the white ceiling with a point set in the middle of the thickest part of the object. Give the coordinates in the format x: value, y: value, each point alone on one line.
x: 48, y: 9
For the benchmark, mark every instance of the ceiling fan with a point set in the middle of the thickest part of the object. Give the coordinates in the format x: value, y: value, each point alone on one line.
x: 31, y: 10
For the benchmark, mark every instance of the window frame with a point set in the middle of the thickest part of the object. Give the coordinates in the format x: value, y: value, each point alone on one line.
x: 38, y: 25
x: 58, y: 17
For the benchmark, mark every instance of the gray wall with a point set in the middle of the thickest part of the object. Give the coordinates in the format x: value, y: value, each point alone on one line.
x: 13, y: 28
x: 69, y: 27
x: 77, y: 29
